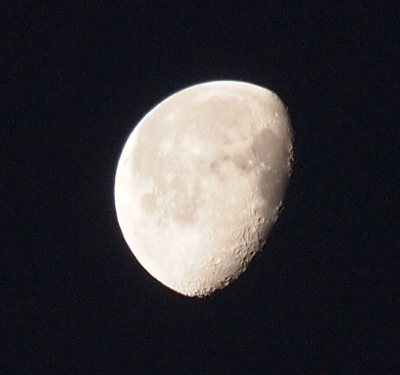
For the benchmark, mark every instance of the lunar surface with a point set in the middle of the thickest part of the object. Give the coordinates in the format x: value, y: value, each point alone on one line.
x: 200, y: 182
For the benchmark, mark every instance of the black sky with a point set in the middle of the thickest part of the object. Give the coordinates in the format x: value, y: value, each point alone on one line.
x: 320, y: 299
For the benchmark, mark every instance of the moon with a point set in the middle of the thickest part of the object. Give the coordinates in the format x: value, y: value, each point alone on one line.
x: 200, y: 182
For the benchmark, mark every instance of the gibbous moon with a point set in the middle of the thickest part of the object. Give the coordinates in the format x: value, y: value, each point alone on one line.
x: 200, y: 182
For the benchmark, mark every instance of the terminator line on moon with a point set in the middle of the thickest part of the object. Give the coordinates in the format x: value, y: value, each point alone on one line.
x: 200, y: 182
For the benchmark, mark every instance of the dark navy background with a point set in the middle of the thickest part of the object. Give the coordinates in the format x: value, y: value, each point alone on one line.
x: 320, y: 299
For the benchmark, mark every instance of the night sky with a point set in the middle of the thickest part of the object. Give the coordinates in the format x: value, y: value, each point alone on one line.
x: 319, y: 299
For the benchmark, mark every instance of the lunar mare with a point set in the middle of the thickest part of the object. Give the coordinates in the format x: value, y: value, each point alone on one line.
x: 200, y: 182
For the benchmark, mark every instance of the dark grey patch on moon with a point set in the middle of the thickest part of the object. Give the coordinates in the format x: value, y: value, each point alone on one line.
x: 186, y: 206
x: 180, y: 208
x: 265, y: 145
x: 149, y: 203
